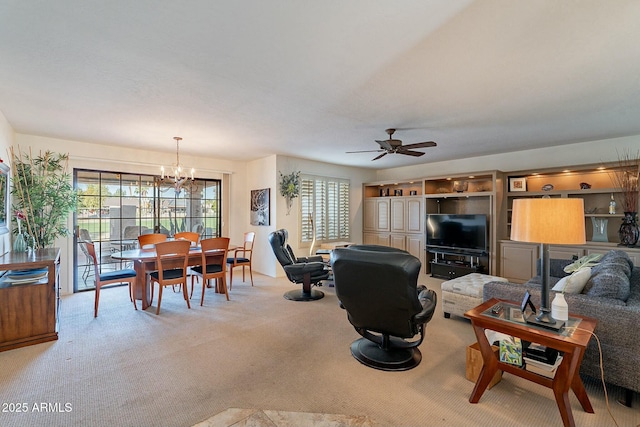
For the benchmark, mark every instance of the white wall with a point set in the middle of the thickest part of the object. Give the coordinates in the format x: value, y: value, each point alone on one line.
x: 259, y: 174
x: 592, y: 152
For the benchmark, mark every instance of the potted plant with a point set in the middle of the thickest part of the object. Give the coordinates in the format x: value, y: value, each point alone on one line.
x: 42, y: 192
x: 290, y: 188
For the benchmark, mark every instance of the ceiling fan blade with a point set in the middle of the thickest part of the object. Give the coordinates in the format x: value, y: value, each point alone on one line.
x: 420, y: 145
x: 364, y: 151
x: 381, y: 155
x: 411, y: 153
x: 385, y: 144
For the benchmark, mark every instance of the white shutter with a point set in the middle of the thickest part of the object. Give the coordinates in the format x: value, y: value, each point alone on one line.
x: 306, y: 209
x: 327, y: 201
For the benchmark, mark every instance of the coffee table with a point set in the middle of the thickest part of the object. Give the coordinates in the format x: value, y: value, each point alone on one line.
x: 571, y: 340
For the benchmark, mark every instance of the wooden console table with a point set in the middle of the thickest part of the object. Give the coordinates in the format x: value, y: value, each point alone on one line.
x: 572, y: 342
x: 29, y: 311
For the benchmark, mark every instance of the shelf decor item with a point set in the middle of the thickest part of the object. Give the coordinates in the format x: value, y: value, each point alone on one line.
x: 20, y: 244
x: 599, y: 229
x: 460, y: 186
x: 629, y: 231
x: 43, y: 193
x: 518, y: 184
x: 290, y: 188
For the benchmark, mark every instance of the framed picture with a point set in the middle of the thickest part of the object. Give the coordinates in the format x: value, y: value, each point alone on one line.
x: 518, y: 184
x: 260, y: 207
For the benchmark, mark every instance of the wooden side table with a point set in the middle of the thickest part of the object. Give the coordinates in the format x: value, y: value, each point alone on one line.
x: 29, y: 310
x: 572, y: 342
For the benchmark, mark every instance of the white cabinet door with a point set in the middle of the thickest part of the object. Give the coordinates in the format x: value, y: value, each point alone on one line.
x: 398, y: 241
x: 518, y: 261
x: 414, y: 208
x: 397, y: 215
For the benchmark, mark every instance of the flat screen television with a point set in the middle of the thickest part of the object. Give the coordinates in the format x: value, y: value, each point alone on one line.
x: 457, y: 233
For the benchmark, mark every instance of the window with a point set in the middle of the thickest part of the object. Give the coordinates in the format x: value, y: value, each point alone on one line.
x: 114, y: 208
x: 324, y: 203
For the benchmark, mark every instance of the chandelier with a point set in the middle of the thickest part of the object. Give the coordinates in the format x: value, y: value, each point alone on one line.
x: 179, y: 178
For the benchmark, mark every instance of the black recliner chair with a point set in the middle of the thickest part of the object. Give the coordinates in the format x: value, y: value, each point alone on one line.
x: 377, y: 286
x: 308, y: 271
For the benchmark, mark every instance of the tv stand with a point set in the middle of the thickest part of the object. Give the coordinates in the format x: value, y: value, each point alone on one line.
x: 447, y: 265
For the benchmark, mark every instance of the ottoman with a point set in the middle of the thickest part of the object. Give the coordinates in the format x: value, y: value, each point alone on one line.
x: 464, y: 293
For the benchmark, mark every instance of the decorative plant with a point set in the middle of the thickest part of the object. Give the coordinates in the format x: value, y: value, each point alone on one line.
x: 626, y: 178
x: 42, y: 192
x: 290, y: 188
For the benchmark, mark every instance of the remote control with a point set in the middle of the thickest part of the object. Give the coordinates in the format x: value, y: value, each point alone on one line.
x: 496, y: 309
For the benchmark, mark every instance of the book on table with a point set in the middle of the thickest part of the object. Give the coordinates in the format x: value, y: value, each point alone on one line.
x: 546, y: 369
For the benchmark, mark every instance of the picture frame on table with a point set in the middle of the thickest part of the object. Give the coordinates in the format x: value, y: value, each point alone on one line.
x: 518, y: 184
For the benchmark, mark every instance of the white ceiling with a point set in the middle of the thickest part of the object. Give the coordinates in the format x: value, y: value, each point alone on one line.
x: 250, y: 78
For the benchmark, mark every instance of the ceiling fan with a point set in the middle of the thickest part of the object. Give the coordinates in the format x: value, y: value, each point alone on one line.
x: 391, y: 146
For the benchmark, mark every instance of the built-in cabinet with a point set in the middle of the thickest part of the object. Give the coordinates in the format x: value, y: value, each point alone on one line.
x: 595, y: 184
x: 394, y: 212
x: 29, y: 310
x: 519, y: 260
x: 395, y: 221
x: 473, y: 193
x: 394, y: 215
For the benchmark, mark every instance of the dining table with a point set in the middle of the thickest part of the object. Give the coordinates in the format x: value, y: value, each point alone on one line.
x: 144, y: 261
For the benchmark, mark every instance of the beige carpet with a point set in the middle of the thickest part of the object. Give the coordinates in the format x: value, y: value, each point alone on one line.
x: 259, y: 352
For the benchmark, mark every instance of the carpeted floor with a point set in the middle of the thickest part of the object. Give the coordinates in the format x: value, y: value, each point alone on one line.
x: 261, y: 352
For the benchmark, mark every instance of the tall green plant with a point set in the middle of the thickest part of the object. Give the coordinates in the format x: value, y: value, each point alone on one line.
x: 42, y: 191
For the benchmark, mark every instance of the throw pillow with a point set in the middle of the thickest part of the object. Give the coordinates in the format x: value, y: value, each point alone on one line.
x: 610, y: 278
x: 574, y: 283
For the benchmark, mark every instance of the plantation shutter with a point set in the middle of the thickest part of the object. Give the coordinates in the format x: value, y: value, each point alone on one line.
x: 326, y: 200
x: 321, y: 209
x: 306, y: 209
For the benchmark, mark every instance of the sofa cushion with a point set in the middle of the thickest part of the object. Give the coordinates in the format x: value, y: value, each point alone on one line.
x: 610, y: 278
x: 575, y: 283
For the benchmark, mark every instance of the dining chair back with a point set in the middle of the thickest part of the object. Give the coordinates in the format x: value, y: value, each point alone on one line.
x: 194, y: 238
x: 213, y: 266
x: 172, y: 258
x: 85, y: 237
x: 242, y: 258
x: 151, y: 239
x: 127, y: 275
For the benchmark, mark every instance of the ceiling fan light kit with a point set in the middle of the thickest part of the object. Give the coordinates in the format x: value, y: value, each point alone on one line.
x: 394, y: 146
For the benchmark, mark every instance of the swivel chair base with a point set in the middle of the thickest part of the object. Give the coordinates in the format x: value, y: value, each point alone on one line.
x: 394, y: 359
x: 301, y: 295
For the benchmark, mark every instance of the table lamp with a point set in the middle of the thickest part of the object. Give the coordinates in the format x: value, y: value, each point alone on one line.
x: 557, y: 221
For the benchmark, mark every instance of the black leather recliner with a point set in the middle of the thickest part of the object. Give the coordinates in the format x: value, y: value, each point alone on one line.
x: 308, y: 271
x: 377, y: 286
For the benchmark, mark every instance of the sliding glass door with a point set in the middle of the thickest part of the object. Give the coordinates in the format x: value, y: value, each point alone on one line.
x: 115, y: 208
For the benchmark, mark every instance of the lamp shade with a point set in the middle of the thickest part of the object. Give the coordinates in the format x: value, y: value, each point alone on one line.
x: 558, y: 221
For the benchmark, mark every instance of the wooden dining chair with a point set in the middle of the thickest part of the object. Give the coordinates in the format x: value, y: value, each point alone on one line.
x: 151, y: 239
x: 172, y: 259
x: 194, y: 238
x: 127, y: 275
x: 242, y: 258
x: 213, y: 265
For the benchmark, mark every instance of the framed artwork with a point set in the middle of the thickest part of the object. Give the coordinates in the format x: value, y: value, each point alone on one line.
x: 518, y: 184
x: 260, y: 207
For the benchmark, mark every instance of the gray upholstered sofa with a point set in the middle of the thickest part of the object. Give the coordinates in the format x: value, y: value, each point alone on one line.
x: 612, y: 296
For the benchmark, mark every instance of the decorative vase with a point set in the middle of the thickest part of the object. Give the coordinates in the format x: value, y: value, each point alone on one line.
x: 20, y: 244
x: 629, y: 231
x: 559, y: 307
x: 599, y: 229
